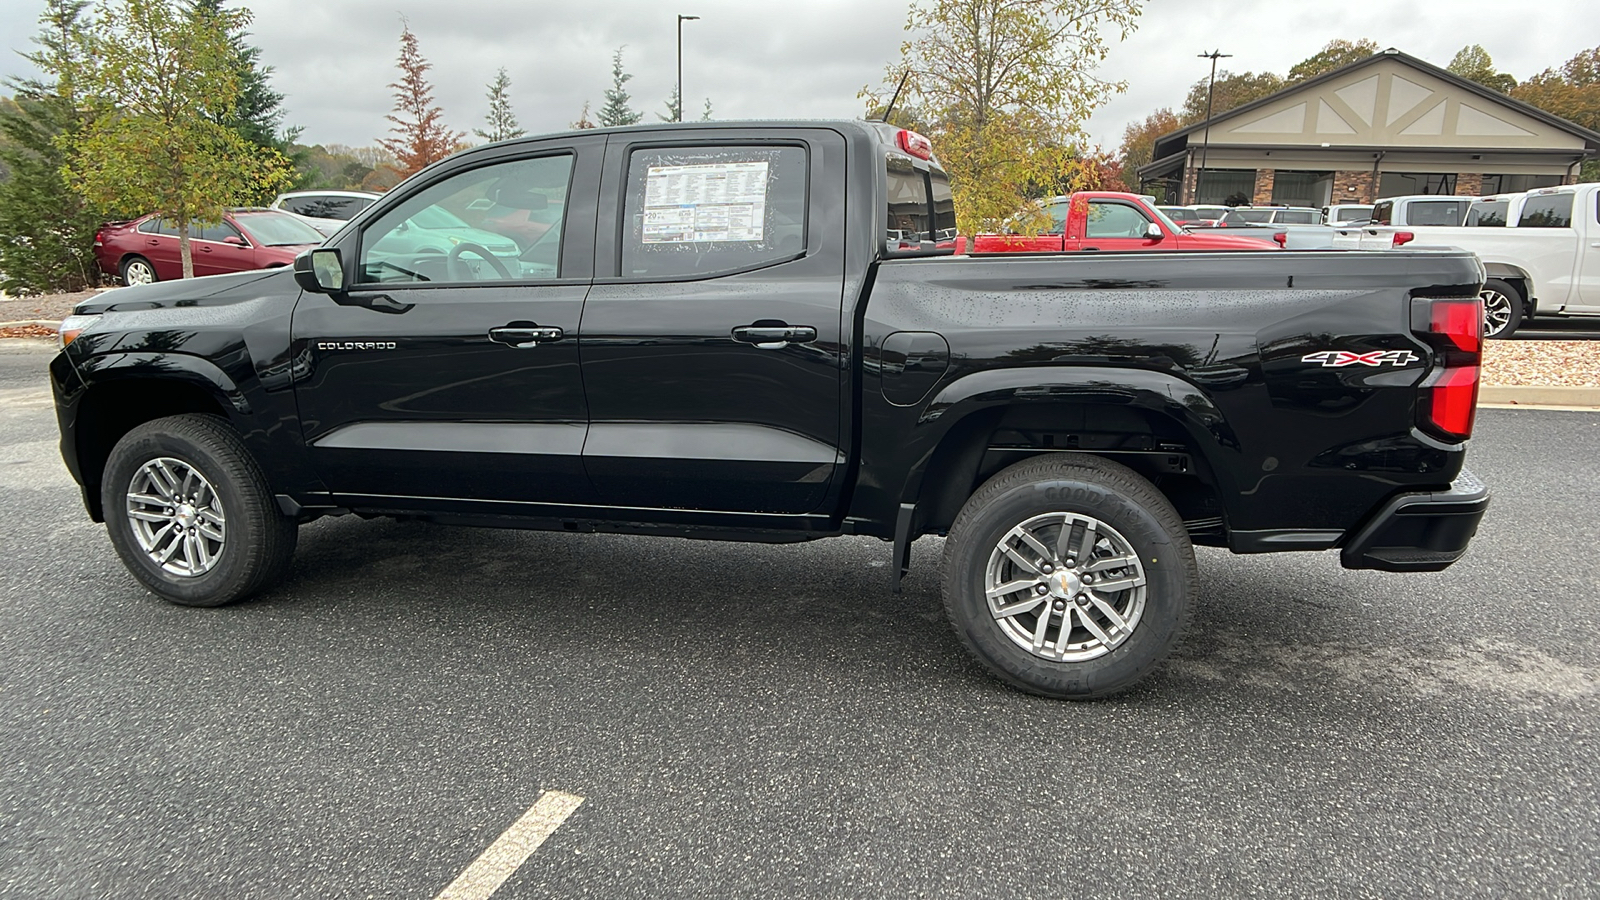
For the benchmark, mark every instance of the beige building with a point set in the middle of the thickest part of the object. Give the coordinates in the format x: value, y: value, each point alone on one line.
x: 1387, y: 125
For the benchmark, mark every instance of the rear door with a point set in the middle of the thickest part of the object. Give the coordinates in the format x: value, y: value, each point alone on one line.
x: 157, y: 241
x: 213, y: 255
x: 1589, y: 251
x: 712, y: 350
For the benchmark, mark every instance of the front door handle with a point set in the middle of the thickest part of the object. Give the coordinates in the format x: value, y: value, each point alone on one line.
x: 525, y: 334
x: 774, y: 335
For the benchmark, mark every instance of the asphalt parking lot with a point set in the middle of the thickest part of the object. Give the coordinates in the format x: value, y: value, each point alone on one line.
x: 746, y: 720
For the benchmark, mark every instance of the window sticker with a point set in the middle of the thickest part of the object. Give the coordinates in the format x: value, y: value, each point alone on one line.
x: 704, y: 203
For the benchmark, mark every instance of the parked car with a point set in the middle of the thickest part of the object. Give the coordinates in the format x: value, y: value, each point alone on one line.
x: 1108, y: 220
x: 1346, y: 214
x: 1187, y: 216
x: 733, y: 350
x: 146, y: 249
x: 1420, y: 209
x: 1272, y: 215
x: 326, y: 211
x: 1544, y: 260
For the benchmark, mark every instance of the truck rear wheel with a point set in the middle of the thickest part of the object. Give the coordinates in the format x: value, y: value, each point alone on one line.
x: 1502, y: 308
x: 190, y: 514
x: 1069, y: 576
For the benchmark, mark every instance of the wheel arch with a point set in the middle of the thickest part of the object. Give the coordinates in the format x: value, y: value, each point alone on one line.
x: 136, y: 388
x: 1153, y: 422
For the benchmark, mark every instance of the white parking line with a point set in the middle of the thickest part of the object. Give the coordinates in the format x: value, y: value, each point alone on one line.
x: 512, y: 849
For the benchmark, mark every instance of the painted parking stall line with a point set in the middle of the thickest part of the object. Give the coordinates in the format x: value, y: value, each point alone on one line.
x: 512, y: 848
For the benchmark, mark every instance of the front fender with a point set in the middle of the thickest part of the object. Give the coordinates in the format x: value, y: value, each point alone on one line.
x: 181, y: 367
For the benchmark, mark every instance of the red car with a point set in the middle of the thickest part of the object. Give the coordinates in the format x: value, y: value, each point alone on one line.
x: 146, y: 249
x: 1107, y: 220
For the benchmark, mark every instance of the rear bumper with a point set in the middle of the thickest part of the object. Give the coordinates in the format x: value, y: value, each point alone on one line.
x: 1421, y: 532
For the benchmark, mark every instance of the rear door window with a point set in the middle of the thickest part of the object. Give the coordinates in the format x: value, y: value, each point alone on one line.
x: 1546, y: 211
x: 1488, y: 214
x: 691, y: 212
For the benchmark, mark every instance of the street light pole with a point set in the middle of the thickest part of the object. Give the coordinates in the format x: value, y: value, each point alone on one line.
x: 1205, y: 142
x: 681, y: 20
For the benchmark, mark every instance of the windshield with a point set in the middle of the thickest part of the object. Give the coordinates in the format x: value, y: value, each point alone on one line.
x: 276, y: 229
x: 1172, y: 226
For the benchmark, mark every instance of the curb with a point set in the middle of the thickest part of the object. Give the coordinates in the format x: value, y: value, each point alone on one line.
x: 47, y: 323
x: 1536, y: 396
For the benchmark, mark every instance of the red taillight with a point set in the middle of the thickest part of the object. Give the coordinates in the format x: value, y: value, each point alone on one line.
x: 915, y: 144
x: 1403, y: 237
x: 1449, y: 395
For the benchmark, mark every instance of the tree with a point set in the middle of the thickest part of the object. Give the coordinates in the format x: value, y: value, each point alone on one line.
x: 258, y: 113
x: 705, y: 116
x: 1139, y: 143
x: 158, y: 81
x: 502, y: 121
x: 1337, y: 54
x: 1474, y: 64
x: 1571, y: 92
x: 1006, y: 86
x: 1231, y: 91
x: 46, y: 228
x: 583, y: 118
x: 616, y: 111
x: 674, y: 108
x: 420, y: 137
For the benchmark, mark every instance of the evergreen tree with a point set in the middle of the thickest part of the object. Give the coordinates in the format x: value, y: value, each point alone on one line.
x: 674, y: 108
x: 420, y: 137
x: 616, y: 111
x: 502, y: 121
x: 706, y: 116
x: 46, y: 229
x: 583, y: 119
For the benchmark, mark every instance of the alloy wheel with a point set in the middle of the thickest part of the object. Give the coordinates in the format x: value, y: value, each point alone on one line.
x: 176, y: 517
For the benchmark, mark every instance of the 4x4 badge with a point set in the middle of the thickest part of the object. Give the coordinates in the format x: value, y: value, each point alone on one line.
x: 1334, y: 359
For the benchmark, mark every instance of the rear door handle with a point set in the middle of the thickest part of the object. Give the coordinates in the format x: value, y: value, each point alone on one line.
x: 525, y: 334
x: 774, y: 336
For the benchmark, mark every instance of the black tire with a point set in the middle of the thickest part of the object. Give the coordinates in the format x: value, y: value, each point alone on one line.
x: 259, y: 538
x: 138, y: 262
x: 1501, y: 296
x: 1080, y: 485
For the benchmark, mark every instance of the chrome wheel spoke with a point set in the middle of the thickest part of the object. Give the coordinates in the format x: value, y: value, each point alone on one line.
x: 1120, y: 583
x: 1041, y: 630
x: 1007, y: 610
x: 145, y: 516
x: 1090, y: 538
x: 1023, y: 561
x: 1095, y: 629
x: 1034, y: 544
x: 209, y: 532
x: 1011, y: 587
x: 1109, y: 562
x: 1117, y: 621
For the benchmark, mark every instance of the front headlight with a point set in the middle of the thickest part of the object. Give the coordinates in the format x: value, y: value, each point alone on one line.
x: 71, y: 327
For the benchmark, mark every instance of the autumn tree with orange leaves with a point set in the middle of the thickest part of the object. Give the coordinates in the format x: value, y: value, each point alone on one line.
x: 420, y: 137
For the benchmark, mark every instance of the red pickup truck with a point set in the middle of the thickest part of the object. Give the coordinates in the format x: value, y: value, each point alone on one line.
x: 1106, y: 220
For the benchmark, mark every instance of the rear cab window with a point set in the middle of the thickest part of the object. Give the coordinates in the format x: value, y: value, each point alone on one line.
x: 1437, y: 212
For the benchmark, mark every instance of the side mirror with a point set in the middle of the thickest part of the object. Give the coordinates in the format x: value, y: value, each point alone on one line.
x: 1153, y: 232
x: 321, y: 270
x: 235, y: 240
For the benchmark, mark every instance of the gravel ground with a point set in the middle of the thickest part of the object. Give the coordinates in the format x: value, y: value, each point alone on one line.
x: 1505, y: 363
x: 1561, y: 363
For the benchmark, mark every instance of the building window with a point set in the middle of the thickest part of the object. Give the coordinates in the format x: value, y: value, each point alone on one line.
x: 1310, y: 189
x: 1516, y: 184
x: 1231, y: 187
x: 1401, y: 184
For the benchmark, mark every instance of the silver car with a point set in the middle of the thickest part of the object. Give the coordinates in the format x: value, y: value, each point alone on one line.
x: 326, y: 211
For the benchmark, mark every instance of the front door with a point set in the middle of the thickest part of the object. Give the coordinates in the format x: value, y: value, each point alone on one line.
x: 1589, y: 255
x: 450, y: 370
x: 213, y: 255
x: 1112, y: 225
x: 712, y: 353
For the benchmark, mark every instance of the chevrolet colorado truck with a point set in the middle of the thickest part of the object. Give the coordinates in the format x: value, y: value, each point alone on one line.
x: 758, y: 332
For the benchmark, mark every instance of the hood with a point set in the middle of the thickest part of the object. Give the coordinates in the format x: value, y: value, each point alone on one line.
x: 1200, y: 239
x: 211, y: 290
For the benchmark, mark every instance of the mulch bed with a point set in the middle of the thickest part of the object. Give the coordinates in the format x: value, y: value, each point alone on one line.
x: 1541, y: 363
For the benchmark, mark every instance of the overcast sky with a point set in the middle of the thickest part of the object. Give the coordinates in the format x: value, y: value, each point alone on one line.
x: 334, y: 59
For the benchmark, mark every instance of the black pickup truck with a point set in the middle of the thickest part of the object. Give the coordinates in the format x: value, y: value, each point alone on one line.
x: 760, y: 332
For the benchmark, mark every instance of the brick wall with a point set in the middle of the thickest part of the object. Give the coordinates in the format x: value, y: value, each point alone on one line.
x: 1469, y: 184
x: 1343, y: 181
x: 1265, y: 178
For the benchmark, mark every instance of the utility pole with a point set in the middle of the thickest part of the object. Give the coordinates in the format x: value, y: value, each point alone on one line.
x: 681, y: 20
x: 1211, y: 89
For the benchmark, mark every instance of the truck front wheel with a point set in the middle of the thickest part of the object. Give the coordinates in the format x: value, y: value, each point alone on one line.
x: 190, y: 514
x: 1069, y: 576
